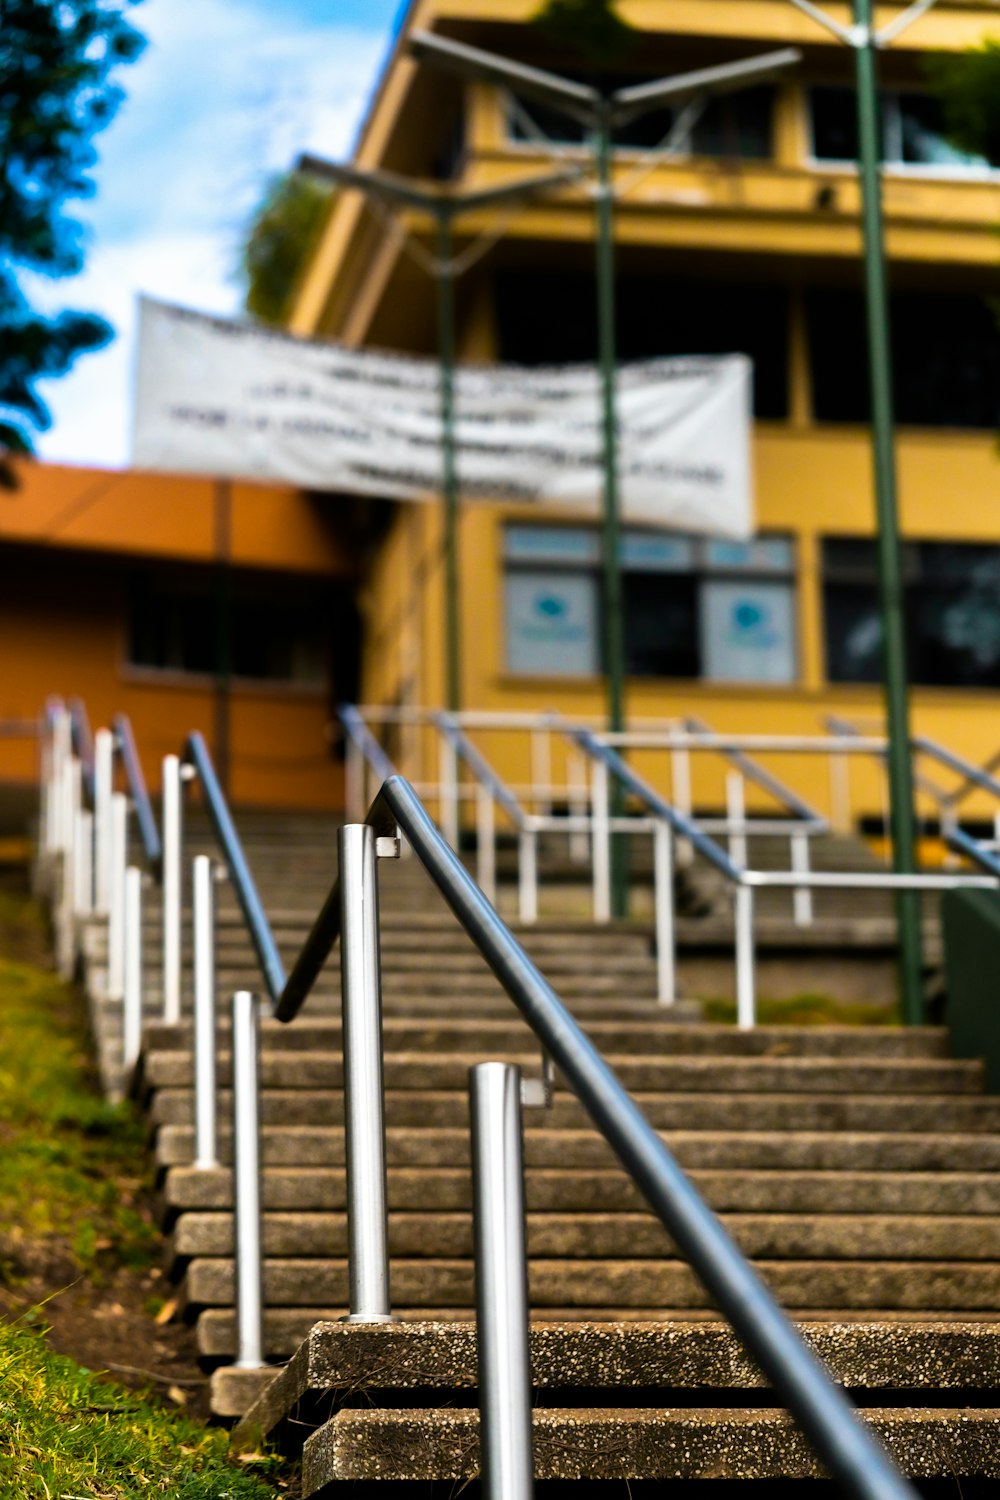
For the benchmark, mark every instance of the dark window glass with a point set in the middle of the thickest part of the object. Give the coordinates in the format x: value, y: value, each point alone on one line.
x: 175, y: 628
x: 945, y: 350
x: 834, y: 124
x: 952, y: 607
x: 911, y: 129
x: 735, y: 125
x: 661, y: 625
x: 550, y: 316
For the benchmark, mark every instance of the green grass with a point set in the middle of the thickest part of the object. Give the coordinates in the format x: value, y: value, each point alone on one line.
x: 808, y: 1010
x: 65, y: 1434
x: 71, y: 1166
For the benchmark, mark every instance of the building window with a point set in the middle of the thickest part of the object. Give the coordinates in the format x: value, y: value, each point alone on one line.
x: 694, y: 608
x: 912, y: 132
x: 945, y: 358
x: 730, y: 125
x: 951, y: 604
x: 173, y: 627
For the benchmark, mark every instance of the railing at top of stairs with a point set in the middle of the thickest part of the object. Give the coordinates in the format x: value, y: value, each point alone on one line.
x: 350, y: 912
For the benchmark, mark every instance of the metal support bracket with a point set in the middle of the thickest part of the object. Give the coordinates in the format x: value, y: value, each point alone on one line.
x: 538, y: 1093
x: 187, y: 771
x: 388, y: 846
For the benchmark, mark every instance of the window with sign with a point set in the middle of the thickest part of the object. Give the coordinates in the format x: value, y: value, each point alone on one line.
x: 693, y: 607
x: 951, y: 593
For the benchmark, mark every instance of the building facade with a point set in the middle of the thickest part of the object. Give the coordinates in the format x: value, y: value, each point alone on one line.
x: 748, y: 239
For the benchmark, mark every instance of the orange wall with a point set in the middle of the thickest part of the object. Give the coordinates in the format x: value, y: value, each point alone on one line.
x: 63, y: 613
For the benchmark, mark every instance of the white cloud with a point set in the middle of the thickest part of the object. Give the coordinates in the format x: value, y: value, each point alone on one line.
x: 224, y: 96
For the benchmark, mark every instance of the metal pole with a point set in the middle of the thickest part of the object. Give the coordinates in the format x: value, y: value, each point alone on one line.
x: 802, y: 902
x: 663, y: 893
x: 900, y: 770
x: 449, y: 470
x: 116, y: 908
x: 527, y: 875
x: 503, y: 1355
x: 601, y: 841
x: 83, y: 878
x: 132, y: 1002
x: 104, y: 751
x: 746, y: 1003
x: 364, y: 1088
x: 246, y: 1184
x: 613, y: 615
x: 171, y: 889
x: 205, y: 1145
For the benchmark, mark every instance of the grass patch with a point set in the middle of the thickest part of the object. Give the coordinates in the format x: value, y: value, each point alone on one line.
x: 71, y: 1166
x: 65, y: 1433
x: 808, y: 1010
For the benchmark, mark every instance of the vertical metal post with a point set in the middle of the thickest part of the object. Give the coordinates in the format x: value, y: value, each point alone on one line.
x: 486, y: 864
x: 802, y: 901
x: 83, y: 878
x: 61, y: 755
x: 449, y: 468
x: 576, y: 776
x: 900, y: 769
x: 527, y: 874
x: 203, y: 895
x: 746, y: 1002
x: 132, y: 1002
x: 680, y: 787
x: 601, y: 840
x: 354, y: 782
x: 736, y: 817
x: 171, y: 889
x: 104, y: 752
x: 246, y: 1183
x: 116, y: 907
x: 504, y: 1357
x: 663, y: 893
x: 72, y: 792
x: 448, y: 775
x: 364, y: 1089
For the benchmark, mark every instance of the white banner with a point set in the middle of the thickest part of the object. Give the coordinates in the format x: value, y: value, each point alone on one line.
x: 221, y: 398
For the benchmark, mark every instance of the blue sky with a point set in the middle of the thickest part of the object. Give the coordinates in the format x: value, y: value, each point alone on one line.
x: 225, y: 94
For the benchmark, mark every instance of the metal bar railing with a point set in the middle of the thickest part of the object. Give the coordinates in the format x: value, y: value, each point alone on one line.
x: 761, y: 777
x: 259, y: 928
x: 852, y: 1455
x: 135, y: 781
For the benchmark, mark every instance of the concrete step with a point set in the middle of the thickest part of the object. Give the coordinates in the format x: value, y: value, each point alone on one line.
x: 439, y: 1189
x: 604, y: 1358
x: 633, y: 1236
x: 947, y: 1285
x: 631, y: 1444
x: 735, y: 1149
x: 613, y: 1034
x: 426, y: 1070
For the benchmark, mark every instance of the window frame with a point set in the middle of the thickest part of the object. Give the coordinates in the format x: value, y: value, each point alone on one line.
x: 892, y: 126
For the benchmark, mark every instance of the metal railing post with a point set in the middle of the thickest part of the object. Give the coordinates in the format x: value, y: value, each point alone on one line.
x: 527, y: 874
x: 71, y: 798
x: 246, y: 1184
x: 680, y: 788
x: 104, y: 751
x: 116, y: 904
x: 448, y: 774
x: 746, y: 1002
x: 364, y: 1089
x: 600, y: 822
x: 132, y: 999
x: 205, y: 1144
x: 486, y: 864
x: 171, y: 889
x: 663, y: 893
x: 83, y: 863
x: 736, y: 818
x: 802, y: 901
x: 504, y: 1360
x: 576, y: 777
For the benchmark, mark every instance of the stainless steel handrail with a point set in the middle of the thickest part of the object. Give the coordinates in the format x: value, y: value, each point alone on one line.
x: 824, y: 1413
x: 763, y: 778
x: 135, y: 780
x: 480, y: 768
x: 196, y: 754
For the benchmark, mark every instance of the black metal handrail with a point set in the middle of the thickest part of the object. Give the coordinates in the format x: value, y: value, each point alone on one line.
x: 136, y: 782
x: 823, y: 1411
x: 196, y: 754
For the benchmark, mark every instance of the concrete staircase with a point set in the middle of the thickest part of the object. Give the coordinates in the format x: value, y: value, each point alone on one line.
x: 859, y: 1168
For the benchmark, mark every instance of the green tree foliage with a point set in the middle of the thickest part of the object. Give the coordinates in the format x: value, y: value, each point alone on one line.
x: 281, y: 236
x: 968, y: 86
x: 57, y: 58
x: 591, y: 28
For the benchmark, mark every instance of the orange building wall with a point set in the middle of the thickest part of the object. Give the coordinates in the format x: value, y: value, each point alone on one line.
x: 66, y: 539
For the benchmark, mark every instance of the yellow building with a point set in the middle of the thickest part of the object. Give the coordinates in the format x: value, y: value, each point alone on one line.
x: 747, y: 240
